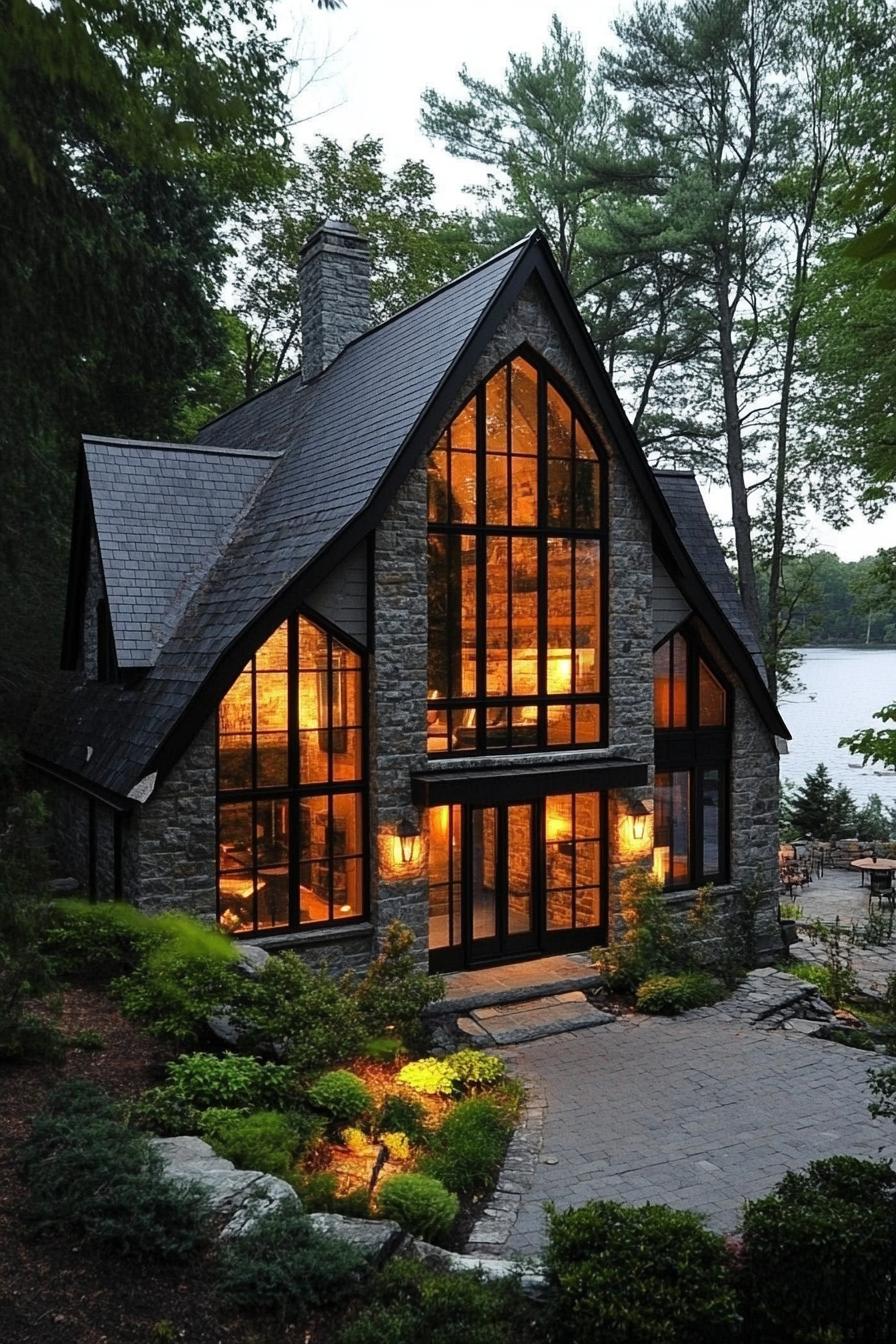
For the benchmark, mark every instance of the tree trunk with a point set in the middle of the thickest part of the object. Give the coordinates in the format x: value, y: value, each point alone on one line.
x: 776, y: 565
x: 740, y: 513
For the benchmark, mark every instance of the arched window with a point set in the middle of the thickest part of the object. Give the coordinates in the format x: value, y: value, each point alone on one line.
x: 515, y: 585
x: 291, y: 792
x: 692, y: 748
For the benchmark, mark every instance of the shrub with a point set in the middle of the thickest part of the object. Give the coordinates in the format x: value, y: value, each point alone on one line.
x: 649, y: 944
x: 342, y: 1096
x: 95, y: 938
x: 300, y: 1014
x: 411, y: 1303
x: 25, y: 911
x: 257, y: 1141
x: 832, y: 1226
x: 467, y: 1149
x: 463, y: 1070
x: 185, y: 976
x: 383, y: 1049
x: 283, y: 1266
x: 394, y: 991
x: 318, y: 1190
x: 673, y: 994
x: 89, y: 1175
x: 163, y: 1111
x: 404, y: 1114
x: 354, y: 1204
x: 808, y: 971
x: 623, y: 1275
x: 841, y: 981
x: 398, y: 1145
x: 883, y: 1088
x: 88, y: 1038
x: 230, y: 1080
x: 419, y: 1204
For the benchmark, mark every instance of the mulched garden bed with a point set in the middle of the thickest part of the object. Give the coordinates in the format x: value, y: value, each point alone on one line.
x: 57, y: 1292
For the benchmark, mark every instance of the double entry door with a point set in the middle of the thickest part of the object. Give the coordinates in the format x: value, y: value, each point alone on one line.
x: 483, y: 884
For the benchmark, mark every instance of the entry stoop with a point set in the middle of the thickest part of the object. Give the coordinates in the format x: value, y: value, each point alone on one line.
x: 531, y: 1019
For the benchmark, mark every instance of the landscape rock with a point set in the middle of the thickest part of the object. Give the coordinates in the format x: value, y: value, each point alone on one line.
x: 252, y: 960
x: 531, y: 1277
x: 240, y: 1198
x: 376, y: 1241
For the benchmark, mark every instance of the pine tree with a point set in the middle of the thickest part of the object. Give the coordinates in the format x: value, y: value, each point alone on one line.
x: 809, y: 809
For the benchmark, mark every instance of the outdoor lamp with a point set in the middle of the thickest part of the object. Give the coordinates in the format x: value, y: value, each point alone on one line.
x: 639, y: 813
x: 408, y: 836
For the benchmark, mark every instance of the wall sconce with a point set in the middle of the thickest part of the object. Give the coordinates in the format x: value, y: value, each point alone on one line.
x: 406, y: 843
x: 639, y: 813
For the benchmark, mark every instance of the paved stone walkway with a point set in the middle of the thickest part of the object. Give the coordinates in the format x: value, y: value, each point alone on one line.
x: 840, y: 893
x: 700, y: 1112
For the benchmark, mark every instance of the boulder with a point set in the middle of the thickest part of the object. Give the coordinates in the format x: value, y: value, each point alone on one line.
x: 375, y: 1240
x: 531, y: 1277
x: 252, y: 960
x: 238, y: 1197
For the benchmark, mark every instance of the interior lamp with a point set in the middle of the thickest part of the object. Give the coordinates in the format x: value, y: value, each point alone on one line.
x: 639, y: 813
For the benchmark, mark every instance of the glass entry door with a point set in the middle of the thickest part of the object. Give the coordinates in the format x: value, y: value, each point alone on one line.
x: 501, y: 856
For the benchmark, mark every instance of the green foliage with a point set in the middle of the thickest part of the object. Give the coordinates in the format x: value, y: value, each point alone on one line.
x: 283, y: 1267
x: 819, y: 810
x: 841, y: 981
x: 624, y: 1275
x: 875, y: 744
x: 88, y: 1175
x: 883, y: 1088
x: 398, y: 1145
x: 467, y: 1149
x: 299, y: 1014
x: 672, y: 994
x: 206, y: 1080
x: 649, y: 944
x: 832, y: 1225
x: 253, y: 1141
x: 161, y: 1110
x: 25, y: 911
x: 809, y: 971
x: 403, y: 1114
x: 95, y: 938
x: 184, y: 976
x: 420, y: 1204
x: 465, y: 1070
x: 383, y: 1049
x: 317, y: 1190
x: 342, y: 1096
x: 394, y: 991
x: 411, y: 1303
x: 86, y: 1039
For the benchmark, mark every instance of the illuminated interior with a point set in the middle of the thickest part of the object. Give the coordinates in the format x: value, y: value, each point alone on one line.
x: 290, y: 785
x: 692, y: 747
x: 515, y: 883
x: 514, y: 572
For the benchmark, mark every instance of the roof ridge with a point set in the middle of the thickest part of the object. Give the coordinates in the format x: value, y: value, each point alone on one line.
x: 164, y: 446
x: 674, y: 471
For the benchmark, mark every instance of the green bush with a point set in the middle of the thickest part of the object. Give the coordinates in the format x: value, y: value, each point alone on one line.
x: 383, y: 1049
x: 185, y: 975
x: 652, y: 1275
x: 342, y: 1096
x: 464, y: 1070
x: 420, y: 1204
x: 673, y: 994
x: 412, y: 1303
x: 282, y: 1266
x: 649, y: 944
x: 318, y: 1190
x: 161, y: 1110
x: 230, y: 1080
x: 814, y: 975
x: 300, y: 1014
x: 95, y: 938
x: 832, y: 1226
x: 467, y: 1149
x: 257, y: 1141
x: 394, y: 991
x: 25, y: 911
x: 88, y: 1175
x: 401, y: 1114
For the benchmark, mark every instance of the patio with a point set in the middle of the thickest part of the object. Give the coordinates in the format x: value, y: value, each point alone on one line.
x: 839, y: 892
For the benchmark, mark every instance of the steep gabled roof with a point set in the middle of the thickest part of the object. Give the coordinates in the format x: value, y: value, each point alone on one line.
x: 347, y: 440
x: 694, y: 527
x: 163, y: 513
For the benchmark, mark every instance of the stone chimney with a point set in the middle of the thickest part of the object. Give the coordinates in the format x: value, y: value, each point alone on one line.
x: 334, y: 285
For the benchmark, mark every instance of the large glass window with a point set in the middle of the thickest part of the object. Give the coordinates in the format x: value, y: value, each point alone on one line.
x: 692, y: 747
x: 515, y: 608
x: 291, y: 805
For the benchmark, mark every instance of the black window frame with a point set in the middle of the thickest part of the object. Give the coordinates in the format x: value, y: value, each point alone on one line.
x: 542, y: 532
x: 695, y: 751
x: 295, y: 791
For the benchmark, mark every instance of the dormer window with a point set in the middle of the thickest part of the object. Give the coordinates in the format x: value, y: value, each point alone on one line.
x: 692, y: 704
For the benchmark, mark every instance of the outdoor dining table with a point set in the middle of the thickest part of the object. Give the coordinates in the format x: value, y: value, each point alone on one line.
x: 884, y: 868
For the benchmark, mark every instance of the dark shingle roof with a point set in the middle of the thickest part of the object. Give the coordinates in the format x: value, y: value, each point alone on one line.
x: 694, y: 526
x: 338, y: 436
x: 163, y: 513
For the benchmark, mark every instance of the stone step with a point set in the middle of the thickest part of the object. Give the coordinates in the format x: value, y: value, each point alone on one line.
x: 531, y: 1019
x: 464, y: 994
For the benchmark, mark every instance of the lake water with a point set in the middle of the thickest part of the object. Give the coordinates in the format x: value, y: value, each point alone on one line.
x: 842, y: 690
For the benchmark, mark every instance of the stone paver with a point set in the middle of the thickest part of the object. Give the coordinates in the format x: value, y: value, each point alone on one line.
x: 518, y: 980
x: 840, y: 893
x: 700, y: 1112
x: 533, y: 1019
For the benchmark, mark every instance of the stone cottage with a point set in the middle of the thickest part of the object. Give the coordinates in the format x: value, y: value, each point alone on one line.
x: 415, y: 633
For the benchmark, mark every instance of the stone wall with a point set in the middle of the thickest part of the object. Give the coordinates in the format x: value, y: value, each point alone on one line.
x: 334, y: 281
x: 70, y: 813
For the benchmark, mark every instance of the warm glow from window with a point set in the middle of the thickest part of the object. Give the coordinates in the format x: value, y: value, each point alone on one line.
x: 514, y: 490
x: 291, y: 840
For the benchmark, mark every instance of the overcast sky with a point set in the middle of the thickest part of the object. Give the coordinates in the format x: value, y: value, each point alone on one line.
x: 377, y: 57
